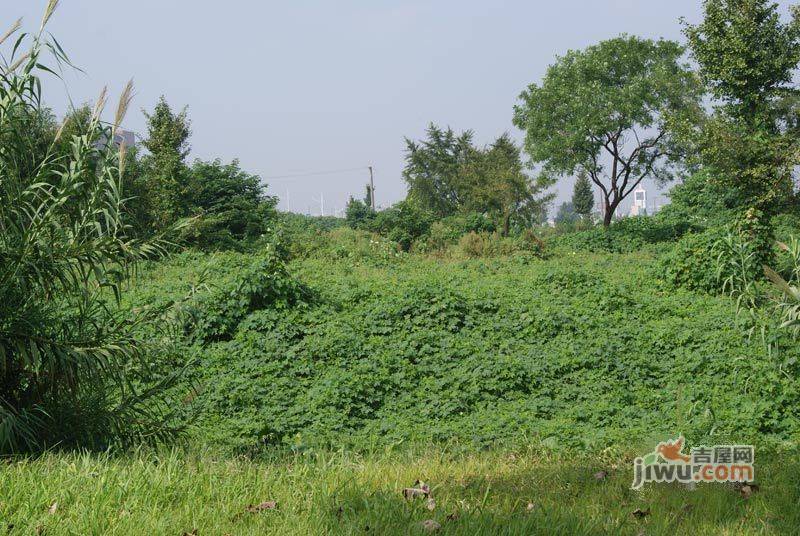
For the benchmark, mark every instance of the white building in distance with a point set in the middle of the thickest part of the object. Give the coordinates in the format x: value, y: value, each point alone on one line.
x: 639, y: 206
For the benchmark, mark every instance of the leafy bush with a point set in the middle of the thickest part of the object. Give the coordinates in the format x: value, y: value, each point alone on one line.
x: 718, y: 259
x: 230, y: 204
x: 358, y: 214
x: 700, y: 202
x: 448, y: 231
x: 403, y: 223
x: 624, y: 236
x: 259, y: 282
x: 359, y: 247
x: 692, y: 263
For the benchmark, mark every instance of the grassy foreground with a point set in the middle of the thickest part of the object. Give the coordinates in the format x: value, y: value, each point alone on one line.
x: 526, y: 492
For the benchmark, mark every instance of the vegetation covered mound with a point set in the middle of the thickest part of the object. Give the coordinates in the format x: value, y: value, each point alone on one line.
x: 573, y: 351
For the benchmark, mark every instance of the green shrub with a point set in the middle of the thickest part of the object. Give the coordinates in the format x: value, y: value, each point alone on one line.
x: 358, y: 247
x: 230, y: 204
x: 448, y: 231
x: 692, y: 263
x: 720, y: 258
x: 624, y: 236
x: 477, y: 245
x: 474, y: 245
x: 259, y: 282
x: 403, y: 223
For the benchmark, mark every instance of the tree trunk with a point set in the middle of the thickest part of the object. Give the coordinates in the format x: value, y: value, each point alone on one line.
x: 609, y: 213
x: 506, y: 224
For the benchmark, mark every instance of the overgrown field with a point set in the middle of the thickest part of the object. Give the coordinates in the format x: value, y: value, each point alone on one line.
x: 361, y: 347
x: 516, y: 492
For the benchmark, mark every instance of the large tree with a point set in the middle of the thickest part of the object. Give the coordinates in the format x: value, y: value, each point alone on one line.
x: 433, y: 169
x: 606, y: 111
x: 168, y: 144
x: 493, y: 181
x: 747, y: 57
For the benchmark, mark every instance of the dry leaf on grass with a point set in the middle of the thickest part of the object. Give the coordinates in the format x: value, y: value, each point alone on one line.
x: 601, y: 475
x: 639, y: 513
x: 530, y: 508
x: 256, y: 508
x: 430, y: 525
x: 420, y: 489
x: 53, y: 508
x: 747, y: 490
x: 266, y: 505
x: 430, y: 504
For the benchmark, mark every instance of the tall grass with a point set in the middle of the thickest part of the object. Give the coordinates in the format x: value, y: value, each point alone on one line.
x: 68, y: 355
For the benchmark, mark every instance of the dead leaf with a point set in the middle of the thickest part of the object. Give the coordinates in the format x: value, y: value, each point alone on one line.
x: 266, y: 505
x: 430, y: 525
x: 420, y: 489
x: 530, y: 508
x: 53, y: 508
x: 747, y: 490
x: 600, y: 475
x: 430, y: 504
x: 639, y: 513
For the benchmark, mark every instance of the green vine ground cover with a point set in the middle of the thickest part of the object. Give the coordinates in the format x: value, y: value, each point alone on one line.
x: 576, y: 352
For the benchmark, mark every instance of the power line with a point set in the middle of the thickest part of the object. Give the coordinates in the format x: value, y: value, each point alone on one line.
x: 315, y: 173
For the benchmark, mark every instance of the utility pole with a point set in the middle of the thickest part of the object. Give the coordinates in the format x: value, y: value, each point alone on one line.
x: 371, y: 189
x: 322, y: 204
x: 288, y: 209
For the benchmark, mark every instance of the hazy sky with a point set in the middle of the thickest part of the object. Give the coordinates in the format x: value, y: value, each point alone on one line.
x: 309, y: 85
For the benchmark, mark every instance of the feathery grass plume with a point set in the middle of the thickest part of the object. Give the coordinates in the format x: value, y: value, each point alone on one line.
x: 124, y: 103
x: 780, y: 282
x: 60, y: 130
x: 51, y: 7
x: 14, y: 27
x: 123, y: 150
x: 99, y: 105
x: 19, y: 62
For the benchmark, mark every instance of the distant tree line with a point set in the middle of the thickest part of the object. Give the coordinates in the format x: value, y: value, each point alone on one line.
x: 630, y: 109
x: 225, y: 206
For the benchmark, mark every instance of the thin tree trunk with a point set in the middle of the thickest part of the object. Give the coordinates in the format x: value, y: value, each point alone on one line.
x: 609, y: 213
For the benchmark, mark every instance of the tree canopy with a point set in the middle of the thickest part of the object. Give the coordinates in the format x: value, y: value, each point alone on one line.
x: 433, y: 169
x: 168, y: 145
x: 747, y: 57
x: 606, y: 111
x: 447, y: 174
